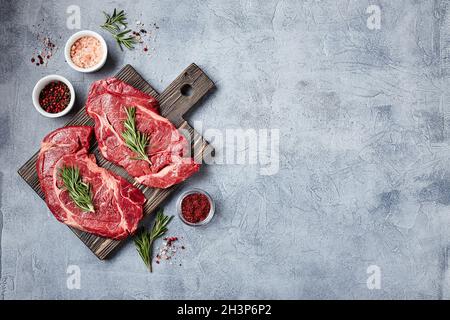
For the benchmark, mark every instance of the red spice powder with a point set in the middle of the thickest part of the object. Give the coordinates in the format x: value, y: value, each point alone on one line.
x: 55, y: 97
x: 195, y: 207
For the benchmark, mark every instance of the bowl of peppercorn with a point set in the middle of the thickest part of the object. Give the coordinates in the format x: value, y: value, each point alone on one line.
x: 53, y: 96
x: 195, y: 207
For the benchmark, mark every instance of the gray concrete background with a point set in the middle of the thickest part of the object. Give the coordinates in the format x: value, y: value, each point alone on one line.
x: 364, y: 131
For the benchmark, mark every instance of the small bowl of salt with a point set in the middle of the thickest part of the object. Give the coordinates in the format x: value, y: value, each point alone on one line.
x: 86, y: 51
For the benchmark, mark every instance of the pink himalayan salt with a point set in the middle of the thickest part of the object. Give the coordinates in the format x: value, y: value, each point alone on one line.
x: 86, y: 52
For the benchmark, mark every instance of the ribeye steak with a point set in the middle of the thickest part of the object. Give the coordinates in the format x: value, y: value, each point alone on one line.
x: 117, y: 203
x: 167, y: 148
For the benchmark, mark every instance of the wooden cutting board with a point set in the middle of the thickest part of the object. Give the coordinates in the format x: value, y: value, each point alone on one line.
x: 180, y: 96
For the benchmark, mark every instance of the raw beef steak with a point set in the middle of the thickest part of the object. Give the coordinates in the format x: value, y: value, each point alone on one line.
x: 117, y: 203
x: 167, y: 148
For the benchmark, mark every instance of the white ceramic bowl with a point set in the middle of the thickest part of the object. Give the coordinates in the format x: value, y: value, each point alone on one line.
x: 75, y: 37
x: 38, y: 88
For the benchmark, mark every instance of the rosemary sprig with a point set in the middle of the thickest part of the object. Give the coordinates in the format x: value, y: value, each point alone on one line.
x: 114, y: 21
x: 79, y: 191
x: 115, y: 24
x: 135, y: 140
x: 144, y: 240
x: 123, y: 39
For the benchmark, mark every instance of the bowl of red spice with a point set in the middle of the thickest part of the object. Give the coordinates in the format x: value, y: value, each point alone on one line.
x: 195, y: 207
x: 53, y: 96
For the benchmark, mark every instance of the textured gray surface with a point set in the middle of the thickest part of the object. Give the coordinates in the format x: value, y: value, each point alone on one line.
x: 363, y: 180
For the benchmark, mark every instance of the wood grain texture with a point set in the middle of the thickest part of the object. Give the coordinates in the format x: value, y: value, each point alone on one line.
x: 173, y: 105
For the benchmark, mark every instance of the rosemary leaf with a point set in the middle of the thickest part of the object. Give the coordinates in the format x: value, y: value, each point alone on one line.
x: 135, y: 140
x: 79, y: 191
x: 145, y: 239
x: 114, y: 21
x: 114, y: 24
x: 123, y: 39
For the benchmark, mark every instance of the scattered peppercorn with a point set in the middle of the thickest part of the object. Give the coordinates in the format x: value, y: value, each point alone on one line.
x: 170, y: 240
x: 55, y: 97
x: 45, y: 51
x: 167, y: 251
x: 144, y: 37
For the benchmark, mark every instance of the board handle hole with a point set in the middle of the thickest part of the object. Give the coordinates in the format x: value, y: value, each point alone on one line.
x: 186, y: 90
